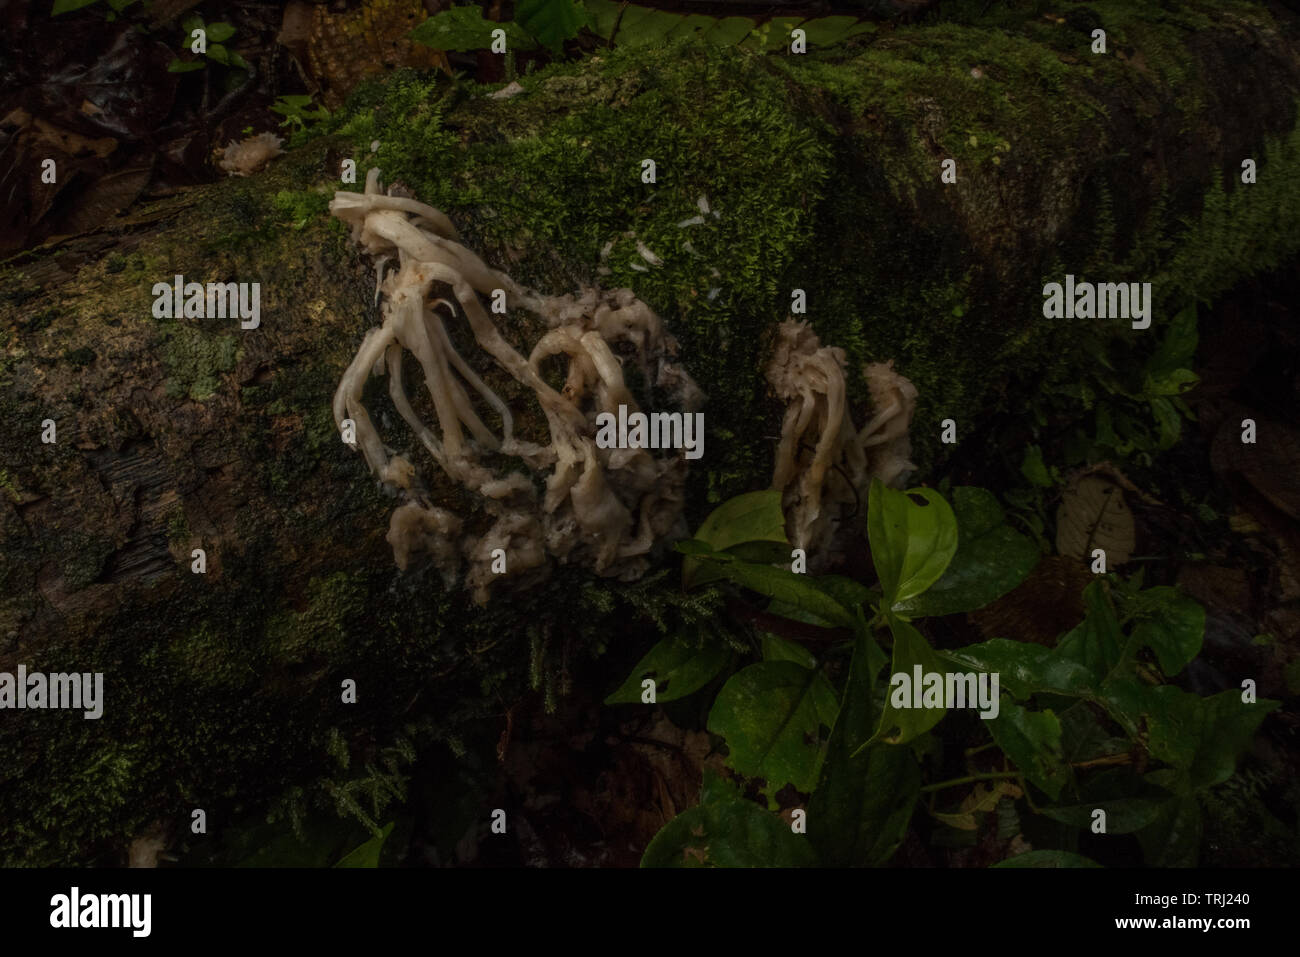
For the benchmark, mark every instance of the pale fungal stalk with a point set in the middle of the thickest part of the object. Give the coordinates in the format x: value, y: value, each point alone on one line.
x: 602, y: 507
x: 824, y: 465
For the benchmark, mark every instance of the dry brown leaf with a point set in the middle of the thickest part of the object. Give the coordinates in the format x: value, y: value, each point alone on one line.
x: 1093, y: 514
x: 1041, y: 608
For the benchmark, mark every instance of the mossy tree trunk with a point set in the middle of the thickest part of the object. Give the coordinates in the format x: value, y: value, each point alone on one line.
x: 824, y: 174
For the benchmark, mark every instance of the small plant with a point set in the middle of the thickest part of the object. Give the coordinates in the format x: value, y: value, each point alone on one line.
x: 298, y: 112
x: 1088, y: 731
x: 209, y: 44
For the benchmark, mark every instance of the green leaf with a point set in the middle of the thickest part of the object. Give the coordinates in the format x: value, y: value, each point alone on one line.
x: 67, y: 6
x: 828, y: 31
x: 862, y: 806
x: 911, y: 543
x: 771, y: 715
x: 185, y: 66
x: 1032, y: 740
x: 1097, y: 642
x: 678, y: 670
x: 1203, y: 737
x: 901, y: 721
x: 1173, y: 628
x: 728, y: 31
x: 220, y: 32
x: 367, y: 854
x: 1024, y: 669
x: 551, y: 22
x: 797, y: 591
x: 1166, y: 372
x: 1048, y: 859
x: 776, y: 648
x: 1033, y: 468
x: 217, y: 53
x: 991, y: 559
x: 464, y: 29
x: 1173, y: 839
x: 1130, y: 803
x: 754, y: 517
x: 725, y: 830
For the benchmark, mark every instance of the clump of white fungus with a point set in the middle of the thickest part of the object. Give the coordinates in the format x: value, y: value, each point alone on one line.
x: 824, y: 464
x: 605, y: 508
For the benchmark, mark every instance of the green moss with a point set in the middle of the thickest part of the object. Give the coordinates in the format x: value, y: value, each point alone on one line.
x: 194, y: 361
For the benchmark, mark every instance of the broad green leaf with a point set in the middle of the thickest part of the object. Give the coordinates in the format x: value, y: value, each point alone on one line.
x: 1048, y: 859
x: 1169, y: 422
x: 860, y: 811
x: 219, y: 32
x: 184, y: 66
x: 776, y: 648
x: 991, y: 559
x: 728, y: 31
x: 1202, y: 737
x: 1032, y: 740
x: 1130, y: 802
x: 911, y: 543
x: 678, y: 669
x: 1173, y: 839
x: 902, y: 720
x: 217, y: 53
x: 551, y: 22
x: 797, y: 591
x: 367, y: 854
x: 1023, y: 669
x: 67, y: 6
x: 1097, y: 642
x: 1173, y: 629
x: 464, y: 29
x: 1085, y: 737
x: 725, y: 830
x: 753, y: 517
x: 771, y: 715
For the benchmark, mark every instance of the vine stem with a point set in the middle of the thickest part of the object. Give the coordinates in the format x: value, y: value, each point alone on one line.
x: 970, y: 778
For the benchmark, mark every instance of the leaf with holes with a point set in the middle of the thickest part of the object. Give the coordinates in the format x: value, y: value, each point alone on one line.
x: 775, y: 717
x: 678, y: 669
x: 913, y: 537
x: 991, y: 559
x: 725, y: 830
x: 902, y: 719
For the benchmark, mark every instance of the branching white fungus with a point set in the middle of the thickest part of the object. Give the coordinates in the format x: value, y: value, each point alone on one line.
x: 602, y: 507
x: 824, y: 464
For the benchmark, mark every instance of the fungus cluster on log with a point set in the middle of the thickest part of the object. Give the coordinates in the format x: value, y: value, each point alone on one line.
x: 605, y: 508
x: 824, y: 464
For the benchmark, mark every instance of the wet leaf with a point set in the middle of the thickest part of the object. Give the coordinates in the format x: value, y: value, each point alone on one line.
x: 551, y: 22
x: 1130, y: 802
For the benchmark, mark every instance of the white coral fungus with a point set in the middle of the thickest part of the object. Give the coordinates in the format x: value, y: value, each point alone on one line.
x: 603, y: 507
x: 250, y: 154
x: 824, y: 464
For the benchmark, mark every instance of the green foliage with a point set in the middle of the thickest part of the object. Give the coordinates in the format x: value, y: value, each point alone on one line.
x: 725, y: 830
x: 297, y: 111
x: 1068, y: 728
x: 215, y: 50
x: 913, y: 538
x: 549, y: 23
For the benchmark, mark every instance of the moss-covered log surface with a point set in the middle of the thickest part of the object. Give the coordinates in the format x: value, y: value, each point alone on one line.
x: 223, y: 689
